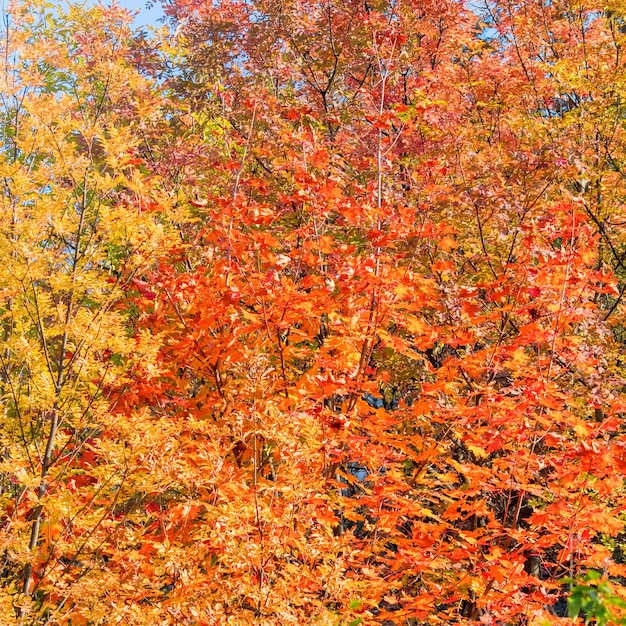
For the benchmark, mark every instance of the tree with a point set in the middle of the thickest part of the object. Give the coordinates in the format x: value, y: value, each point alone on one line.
x: 313, y: 313
x: 81, y: 221
x: 402, y: 238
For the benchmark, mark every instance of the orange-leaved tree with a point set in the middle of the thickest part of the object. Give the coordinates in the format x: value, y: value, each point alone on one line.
x: 390, y: 323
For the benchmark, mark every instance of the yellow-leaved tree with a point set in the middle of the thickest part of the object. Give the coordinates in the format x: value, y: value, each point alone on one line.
x: 81, y: 217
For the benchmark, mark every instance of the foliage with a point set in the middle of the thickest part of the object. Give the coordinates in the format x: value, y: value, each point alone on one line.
x: 312, y: 312
x: 595, y: 600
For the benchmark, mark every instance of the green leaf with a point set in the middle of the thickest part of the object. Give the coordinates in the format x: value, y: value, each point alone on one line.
x: 574, y: 602
x: 615, y: 601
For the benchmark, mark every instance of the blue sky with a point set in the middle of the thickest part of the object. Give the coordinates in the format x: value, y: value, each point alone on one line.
x: 146, y: 17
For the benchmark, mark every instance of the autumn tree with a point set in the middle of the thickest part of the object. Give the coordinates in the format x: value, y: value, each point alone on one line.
x: 396, y: 226
x: 312, y: 312
x: 81, y: 220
